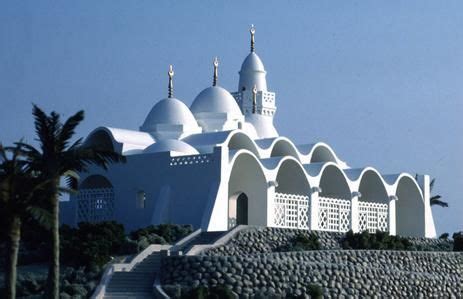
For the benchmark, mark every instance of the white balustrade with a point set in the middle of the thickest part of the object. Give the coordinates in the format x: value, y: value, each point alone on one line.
x: 291, y: 211
x: 373, y: 216
x: 334, y: 214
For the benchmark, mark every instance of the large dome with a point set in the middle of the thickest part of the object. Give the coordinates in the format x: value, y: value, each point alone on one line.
x: 215, y: 99
x: 168, y: 115
x: 176, y: 147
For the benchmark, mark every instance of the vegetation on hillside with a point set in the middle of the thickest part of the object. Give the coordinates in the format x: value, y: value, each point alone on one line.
x: 378, y: 240
x: 302, y: 242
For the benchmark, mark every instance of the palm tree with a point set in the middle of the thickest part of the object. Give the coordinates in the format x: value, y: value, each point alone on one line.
x: 18, y: 200
x: 56, y: 158
x: 435, y: 199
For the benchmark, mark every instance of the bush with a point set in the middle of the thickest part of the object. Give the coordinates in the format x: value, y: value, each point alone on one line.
x: 167, y: 233
x: 315, y: 291
x: 444, y: 236
x: 302, y: 242
x: 458, y: 241
x: 91, y: 244
x: 379, y: 240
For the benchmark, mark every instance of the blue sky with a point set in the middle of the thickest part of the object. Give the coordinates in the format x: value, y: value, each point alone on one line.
x: 381, y: 82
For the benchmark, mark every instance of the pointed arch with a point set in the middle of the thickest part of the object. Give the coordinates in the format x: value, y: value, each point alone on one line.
x: 284, y: 147
x: 291, y: 178
x: 372, y: 187
x: 247, y: 176
x: 410, y: 210
x: 240, y: 140
x: 95, y: 199
x: 321, y: 152
x: 334, y: 183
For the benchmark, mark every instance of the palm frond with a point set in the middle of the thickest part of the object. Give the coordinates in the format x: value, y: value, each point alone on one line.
x: 71, y: 180
x: 431, y: 184
x: 438, y: 202
x: 42, y: 128
x: 68, y: 129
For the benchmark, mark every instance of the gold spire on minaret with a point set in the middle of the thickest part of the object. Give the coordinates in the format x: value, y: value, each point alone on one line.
x: 254, y: 99
x: 216, y: 72
x: 171, y: 84
x: 252, y: 31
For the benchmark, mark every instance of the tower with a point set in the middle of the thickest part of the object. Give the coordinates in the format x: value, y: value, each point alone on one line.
x: 252, y: 78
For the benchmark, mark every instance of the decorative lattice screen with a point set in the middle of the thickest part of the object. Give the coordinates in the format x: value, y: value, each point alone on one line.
x: 373, y: 216
x: 95, y: 205
x: 334, y: 214
x: 291, y: 211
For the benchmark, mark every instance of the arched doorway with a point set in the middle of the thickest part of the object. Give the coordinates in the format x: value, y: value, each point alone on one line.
x: 238, y: 210
x: 95, y: 200
x: 247, y: 192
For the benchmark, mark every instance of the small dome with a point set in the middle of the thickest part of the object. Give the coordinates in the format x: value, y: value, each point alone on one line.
x: 252, y: 73
x: 252, y: 63
x: 169, y: 111
x: 179, y: 148
x: 216, y: 99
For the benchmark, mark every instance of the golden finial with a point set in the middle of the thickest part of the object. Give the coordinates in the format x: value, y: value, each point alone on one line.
x: 216, y: 72
x: 252, y: 31
x: 171, y: 84
x: 254, y: 99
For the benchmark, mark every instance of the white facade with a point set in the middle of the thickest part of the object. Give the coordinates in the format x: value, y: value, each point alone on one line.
x: 221, y: 162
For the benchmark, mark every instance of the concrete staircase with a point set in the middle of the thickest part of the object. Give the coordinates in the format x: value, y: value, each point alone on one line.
x: 137, y: 283
x: 203, y: 238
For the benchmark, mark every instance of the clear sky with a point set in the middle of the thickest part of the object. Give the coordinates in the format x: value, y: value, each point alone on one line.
x: 380, y: 81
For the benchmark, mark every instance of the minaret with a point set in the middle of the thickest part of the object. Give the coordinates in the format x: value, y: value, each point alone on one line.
x: 252, y: 74
x: 255, y: 101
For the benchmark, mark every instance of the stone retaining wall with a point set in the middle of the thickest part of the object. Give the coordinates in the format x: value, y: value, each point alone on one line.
x: 351, y: 273
x: 269, y: 239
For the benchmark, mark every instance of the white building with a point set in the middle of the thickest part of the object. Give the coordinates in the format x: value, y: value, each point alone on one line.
x: 221, y: 162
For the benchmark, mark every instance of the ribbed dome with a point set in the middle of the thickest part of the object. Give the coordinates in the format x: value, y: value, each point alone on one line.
x: 169, y: 111
x: 252, y: 63
x: 171, y: 145
x: 215, y: 99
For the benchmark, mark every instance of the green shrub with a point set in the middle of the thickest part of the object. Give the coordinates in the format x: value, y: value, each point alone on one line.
x: 315, y: 291
x: 444, y: 236
x: 91, y: 243
x: 168, y: 233
x: 302, y: 242
x: 379, y: 240
x: 458, y: 241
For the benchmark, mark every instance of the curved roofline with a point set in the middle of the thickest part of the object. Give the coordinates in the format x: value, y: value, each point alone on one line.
x: 406, y: 175
x: 119, y: 137
x: 281, y: 139
x: 368, y: 169
x: 357, y: 174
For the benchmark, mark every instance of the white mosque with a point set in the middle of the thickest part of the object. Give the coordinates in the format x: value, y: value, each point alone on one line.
x: 221, y: 163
